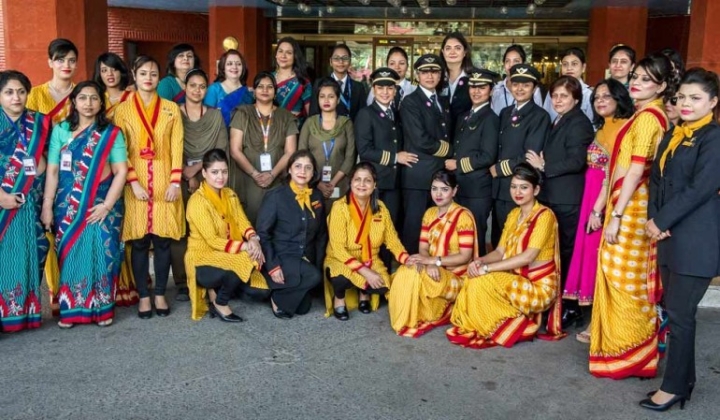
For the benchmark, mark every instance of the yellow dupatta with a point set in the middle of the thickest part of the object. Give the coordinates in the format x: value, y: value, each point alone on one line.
x: 221, y: 203
x: 362, y: 223
x: 680, y: 133
x: 148, y: 119
x: 302, y: 196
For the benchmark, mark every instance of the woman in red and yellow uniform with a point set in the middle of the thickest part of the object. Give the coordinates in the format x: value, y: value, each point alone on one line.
x: 154, y: 211
x: 360, y: 225
x: 422, y: 294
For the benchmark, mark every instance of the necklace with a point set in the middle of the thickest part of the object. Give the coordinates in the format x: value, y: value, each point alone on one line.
x: 187, y: 114
x: 58, y: 92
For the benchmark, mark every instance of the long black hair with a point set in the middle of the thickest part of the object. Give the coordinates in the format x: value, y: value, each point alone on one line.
x: 528, y: 173
x: 113, y: 61
x: 299, y: 65
x: 446, y: 177
x: 212, y: 156
x: 8, y: 75
x: 466, y: 64
x: 73, y: 118
x: 659, y: 68
x: 620, y: 95
x: 365, y: 166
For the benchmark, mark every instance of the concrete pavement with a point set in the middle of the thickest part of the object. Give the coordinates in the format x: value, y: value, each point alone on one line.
x: 314, y: 368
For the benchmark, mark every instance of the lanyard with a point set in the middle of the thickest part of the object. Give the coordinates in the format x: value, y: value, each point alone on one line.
x: 505, y: 92
x: 345, y: 94
x: 327, y: 151
x: 265, y: 128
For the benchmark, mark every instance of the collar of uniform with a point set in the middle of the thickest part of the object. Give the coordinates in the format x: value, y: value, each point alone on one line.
x: 427, y: 92
x: 341, y: 81
x: 519, y: 107
x: 474, y: 110
x: 384, y: 108
x: 454, y: 84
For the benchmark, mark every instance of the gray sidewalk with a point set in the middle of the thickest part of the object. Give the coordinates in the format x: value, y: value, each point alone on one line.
x: 314, y: 368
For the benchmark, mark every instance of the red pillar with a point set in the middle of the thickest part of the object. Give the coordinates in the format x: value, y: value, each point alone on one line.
x: 611, y: 25
x: 704, y: 32
x: 249, y: 27
x: 31, y: 25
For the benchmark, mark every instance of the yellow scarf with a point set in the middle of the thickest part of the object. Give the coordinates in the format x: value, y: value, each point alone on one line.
x: 362, y: 223
x: 221, y: 203
x: 680, y: 133
x: 302, y: 196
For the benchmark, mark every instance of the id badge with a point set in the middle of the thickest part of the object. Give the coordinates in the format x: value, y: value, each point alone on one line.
x: 265, y: 162
x: 65, y: 161
x: 29, y: 166
x: 336, y: 193
x: 327, y: 173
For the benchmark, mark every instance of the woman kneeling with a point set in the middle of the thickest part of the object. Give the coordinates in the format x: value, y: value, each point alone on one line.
x: 506, y: 292
x: 223, y: 251
x: 422, y: 294
x: 360, y: 224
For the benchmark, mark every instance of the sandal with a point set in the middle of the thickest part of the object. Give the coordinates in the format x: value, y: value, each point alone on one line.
x: 583, y: 337
x: 106, y: 323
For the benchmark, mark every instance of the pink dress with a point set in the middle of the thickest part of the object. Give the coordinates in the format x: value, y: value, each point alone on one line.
x: 580, y: 284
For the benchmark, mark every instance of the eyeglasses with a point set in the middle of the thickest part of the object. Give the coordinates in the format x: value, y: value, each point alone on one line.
x: 343, y: 58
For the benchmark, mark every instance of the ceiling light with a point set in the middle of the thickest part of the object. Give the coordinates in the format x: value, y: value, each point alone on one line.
x: 364, y: 2
x: 530, y: 9
x: 330, y: 9
x: 403, y: 10
x: 539, y: 2
x: 451, y: 2
x: 427, y: 11
x: 504, y: 10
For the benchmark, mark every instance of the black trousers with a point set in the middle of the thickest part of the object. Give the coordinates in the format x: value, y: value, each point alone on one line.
x: 224, y: 282
x: 393, y: 201
x: 140, y: 261
x: 415, y: 202
x: 682, y: 296
x: 292, y: 297
x: 177, y: 261
x: 341, y: 284
x: 480, y: 208
x: 567, y: 217
x: 501, y: 209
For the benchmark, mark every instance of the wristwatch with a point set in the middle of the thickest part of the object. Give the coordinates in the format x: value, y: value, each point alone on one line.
x: 616, y: 214
x: 485, y: 268
x: 596, y: 214
x: 438, y: 261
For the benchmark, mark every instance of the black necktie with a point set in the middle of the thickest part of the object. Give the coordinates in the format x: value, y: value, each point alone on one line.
x: 398, y: 97
x: 433, y: 99
x: 390, y: 114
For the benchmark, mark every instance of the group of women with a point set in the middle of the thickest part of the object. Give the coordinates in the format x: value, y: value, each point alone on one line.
x: 255, y: 190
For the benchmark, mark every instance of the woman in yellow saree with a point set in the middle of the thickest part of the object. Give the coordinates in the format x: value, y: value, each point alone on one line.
x: 624, y: 326
x: 506, y: 292
x: 423, y: 291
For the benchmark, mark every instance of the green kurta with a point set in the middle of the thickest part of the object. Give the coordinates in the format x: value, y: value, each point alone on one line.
x: 342, y: 153
x: 246, y: 120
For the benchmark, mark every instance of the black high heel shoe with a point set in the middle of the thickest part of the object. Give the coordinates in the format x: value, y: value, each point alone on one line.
x: 145, y: 314
x: 225, y: 318
x: 279, y: 313
x: 690, y: 390
x: 572, y: 317
x: 650, y: 405
x: 341, y: 313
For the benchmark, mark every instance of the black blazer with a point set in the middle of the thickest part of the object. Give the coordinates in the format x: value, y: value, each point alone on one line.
x: 358, y: 99
x: 460, y: 102
x: 565, y: 154
x: 289, y: 233
x: 425, y: 133
x: 476, y: 146
x: 377, y: 140
x: 528, y: 132
x: 684, y: 199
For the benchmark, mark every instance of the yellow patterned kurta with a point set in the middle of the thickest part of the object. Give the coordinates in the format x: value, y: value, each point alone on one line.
x: 164, y: 219
x: 344, y: 255
x: 506, y: 307
x: 418, y: 303
x: 624, y: 322
x: 110, y: 108
x: 211, y: 244
x: 41, y: 100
